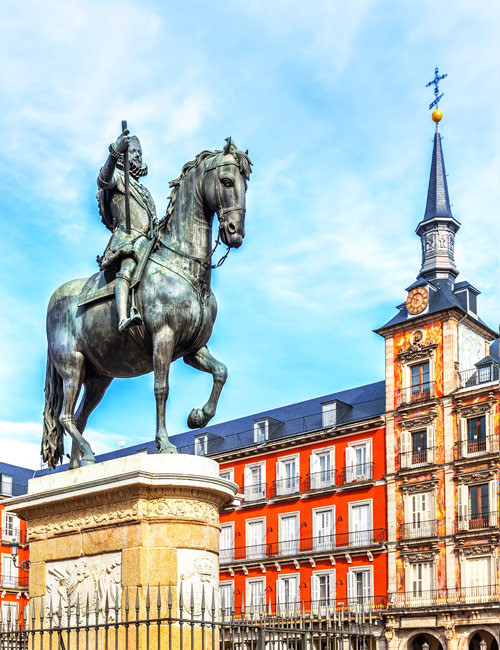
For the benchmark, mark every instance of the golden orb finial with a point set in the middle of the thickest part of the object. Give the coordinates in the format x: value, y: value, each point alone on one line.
x: 437, y: 116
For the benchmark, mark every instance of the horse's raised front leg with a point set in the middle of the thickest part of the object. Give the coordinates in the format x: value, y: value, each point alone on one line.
x: 204, y: 361
x: 72, y: 376
x: 163, y: 347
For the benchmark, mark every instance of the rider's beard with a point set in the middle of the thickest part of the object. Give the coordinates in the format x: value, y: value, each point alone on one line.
x: 135, y: 170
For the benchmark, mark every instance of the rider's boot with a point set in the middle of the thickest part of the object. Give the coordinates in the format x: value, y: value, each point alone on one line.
x: 122, y: 285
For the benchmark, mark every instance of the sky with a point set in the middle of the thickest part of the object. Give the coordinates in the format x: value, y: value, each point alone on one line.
x: 328, y: 96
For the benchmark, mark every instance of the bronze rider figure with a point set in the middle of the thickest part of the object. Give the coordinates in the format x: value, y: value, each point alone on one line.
x: 125, y: 247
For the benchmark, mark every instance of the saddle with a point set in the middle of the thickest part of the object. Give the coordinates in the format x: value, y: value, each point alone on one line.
x: 101, y: 285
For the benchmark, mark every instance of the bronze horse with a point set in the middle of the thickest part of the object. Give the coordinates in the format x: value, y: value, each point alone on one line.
x: 175, y: 299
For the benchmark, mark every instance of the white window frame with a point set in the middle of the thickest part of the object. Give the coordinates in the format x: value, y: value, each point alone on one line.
x: 479, y: 593
x: 353, y: 600
x: 284, y: 485
x: 228, y: 606
x: 283, y: 605
x: 261, y: 427
x: 11, y: 527
x: 248, y: 600
x: 317, y: 480
x: 326, y: 543
x: 6, y: 485
x: 425, y: 524
x: 10, y: 574
x: 407, y: 445
x: 465, y: 522
x: 463, y: 434
x: 249, y: 489
x: 201, y: 445
x: 316, y: 601
x: 424, y: 595
x: 358, y: 471
x: 226, y: 555
x: 258, y: 551
x: 13, y: 607
x: 288, y: 546
x: 328, y: 414
x: 360, y: 538
x: 225, y: 471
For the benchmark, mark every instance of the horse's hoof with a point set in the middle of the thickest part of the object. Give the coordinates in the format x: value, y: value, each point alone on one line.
x: 87, y: 461
x: 196, y: 419
x: 169, y: 448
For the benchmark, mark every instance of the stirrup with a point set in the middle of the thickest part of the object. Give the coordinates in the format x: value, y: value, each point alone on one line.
x: 134, y: 319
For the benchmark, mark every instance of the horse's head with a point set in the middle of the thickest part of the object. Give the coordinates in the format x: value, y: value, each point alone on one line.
x: 225, y: 187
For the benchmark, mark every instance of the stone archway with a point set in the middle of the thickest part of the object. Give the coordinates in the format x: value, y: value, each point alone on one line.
x: 478, y: 638
x: 421, y: 640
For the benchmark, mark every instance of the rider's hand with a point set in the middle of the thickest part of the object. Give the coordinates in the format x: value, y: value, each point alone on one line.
x: 122, y: 140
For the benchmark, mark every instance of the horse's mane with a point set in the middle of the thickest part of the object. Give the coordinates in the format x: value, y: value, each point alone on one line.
x: 244, y: 164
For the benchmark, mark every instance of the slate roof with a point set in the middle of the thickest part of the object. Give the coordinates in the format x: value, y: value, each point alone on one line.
x: 438, y: 200
x: 294, y: 419
x: 20, y: 476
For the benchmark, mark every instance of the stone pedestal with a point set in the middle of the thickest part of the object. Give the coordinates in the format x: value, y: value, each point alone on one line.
x: 113, y: 529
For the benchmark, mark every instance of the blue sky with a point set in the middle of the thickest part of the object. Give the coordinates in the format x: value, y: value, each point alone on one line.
x: 330, y: 99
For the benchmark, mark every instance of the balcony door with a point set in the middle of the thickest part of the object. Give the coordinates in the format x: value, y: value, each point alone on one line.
x: 478, y: 580
x: 256, y: 539
x: 287, y: 476
x: 323, y: 527
x: 289, y: 534
x: 9, y: 578
x: 226, y: 550
x: 360, y: 533
x: 421, y: 522
x: 420, y: 381
x: 420, y: 581
x: 358, y: 462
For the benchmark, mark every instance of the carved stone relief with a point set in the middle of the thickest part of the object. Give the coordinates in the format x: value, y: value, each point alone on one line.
x: 198, y: 573
x: 469, y: 478
x: 418, y: 422
x: 417, y: 351
x: 87, y: 581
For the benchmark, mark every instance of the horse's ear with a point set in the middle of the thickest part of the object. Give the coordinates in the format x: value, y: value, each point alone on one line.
x: 227, y: 148
x: 246, y: 152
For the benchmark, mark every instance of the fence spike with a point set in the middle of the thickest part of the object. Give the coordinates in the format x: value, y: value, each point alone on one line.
x: 96, y: 607
x: 137, y: 604
x: 148, y: 602
x: 127, y: 603
x: 106, y: 606
x: 191, y: 601
x: 169, y: 600
x: 181, y: 599
x: 203, y: 602
x: 117, y: 603
x: 77, y: 608
x: 158, y: 600
x: 213, y: 605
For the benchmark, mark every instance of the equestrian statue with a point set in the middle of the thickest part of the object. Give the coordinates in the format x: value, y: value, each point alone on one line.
x: 151, y: 303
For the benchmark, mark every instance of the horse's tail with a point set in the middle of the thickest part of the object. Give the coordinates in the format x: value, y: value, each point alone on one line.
x: 52, y: 440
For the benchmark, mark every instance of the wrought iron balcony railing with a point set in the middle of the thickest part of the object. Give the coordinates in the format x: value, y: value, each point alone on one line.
x: 418, y: 529
x: 476, y: 376
x: 417, y: 393
x: 8, y: 534
x: 476, y: 521
x: 306, y: 545
x: 476, y: 446
x: 321, y: 480
x: 285, y: 486
x: 482, y: 594
x: 417, y: 458
x: 357, y: 473
x: 255, y: 492
x: 13, y: 581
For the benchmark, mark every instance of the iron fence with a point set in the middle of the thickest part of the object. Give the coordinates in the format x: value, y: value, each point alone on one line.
x: 321, y: 480
x: 148, y: 618
x: 476, y: 521
x: 417, y: 457
x: 483, y: 375
x: 418, y: 529
x: 480, y: 594
x: 285, y: 487
x: 473, y: 446
x: 360, y: 473
x: 416, y: 393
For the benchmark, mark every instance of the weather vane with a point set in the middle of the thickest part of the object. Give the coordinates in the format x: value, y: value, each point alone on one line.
x: 436, y: 115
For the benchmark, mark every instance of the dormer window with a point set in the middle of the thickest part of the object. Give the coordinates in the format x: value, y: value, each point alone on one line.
x: 334, y: 412
x: 201, y: 445
x: 6, y: 485
x: 261, y: 430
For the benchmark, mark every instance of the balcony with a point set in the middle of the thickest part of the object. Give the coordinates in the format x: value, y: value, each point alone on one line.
x: 417, y: 458
x: 483, y: 594
x: 13, y: 581
x: 254, y: 492
x: 415, y: 394
x: 8, y: 535
x: 283, y: 487
x: 477, y: 446
x: 477, y: 376
x: 341, y: 542
x: 357, y: 474
x: 476, y: 521
x: 321, y: 480
x: 418, y: 530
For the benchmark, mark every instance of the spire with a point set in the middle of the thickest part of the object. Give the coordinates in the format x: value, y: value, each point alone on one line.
x: 438, y: 228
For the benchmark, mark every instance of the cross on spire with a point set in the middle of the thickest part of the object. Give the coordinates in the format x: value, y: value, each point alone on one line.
x: 435, y: 83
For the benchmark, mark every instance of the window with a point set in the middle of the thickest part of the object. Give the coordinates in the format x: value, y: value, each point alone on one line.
x: 334, y: 412
x: 476, y: 435
x: 226, y: 547
x: 419, y: 515
x: 201, y: 445
x: 358, y: 462
x: 420, y: 381
x: 324, y: 529
x: 6, y: 485
x: 417, y: 447
x: 256, y: 539
x: 289, y: 534
x: 226, y: 597
x: 360, y: 533
x: 9, y: 572
x: 255, y: 596
x: 287, y: 476
x: 359, y: 587
x: 478, y: 579
x: 287, y: 592
x: 255, y: 483
x: 420, y: 580
x: 477, y: 506
x: 227, y: 474
x: 322, y: 466
x: 322, y: 589
x: 10, y: 527
x: 260, y: 431
x: 9, y: 616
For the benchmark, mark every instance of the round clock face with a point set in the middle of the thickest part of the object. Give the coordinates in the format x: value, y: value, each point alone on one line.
x: 417, y: 300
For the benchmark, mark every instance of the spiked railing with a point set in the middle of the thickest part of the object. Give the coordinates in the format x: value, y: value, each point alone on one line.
x: 164, y: 617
